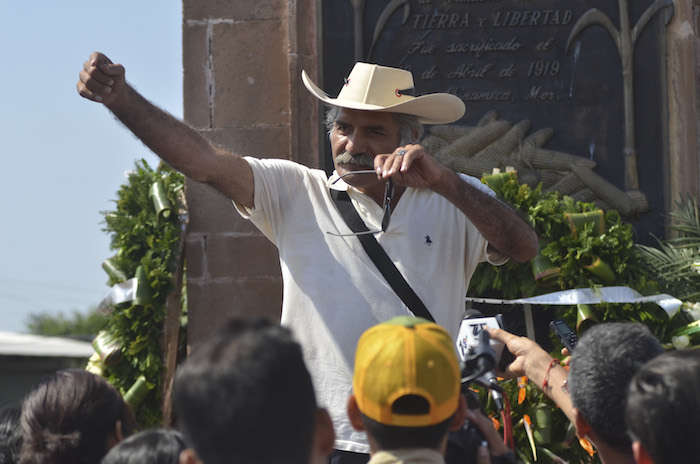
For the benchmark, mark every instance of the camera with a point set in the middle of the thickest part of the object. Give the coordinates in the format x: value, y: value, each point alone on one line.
x: 463, y: 443
x: 479, y: 354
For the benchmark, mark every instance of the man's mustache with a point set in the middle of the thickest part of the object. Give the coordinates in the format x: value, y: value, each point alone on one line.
x: 361, y: 160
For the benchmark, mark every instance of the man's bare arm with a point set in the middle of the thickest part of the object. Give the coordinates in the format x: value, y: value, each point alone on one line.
x: 171, y: 139
x: 497, y: 222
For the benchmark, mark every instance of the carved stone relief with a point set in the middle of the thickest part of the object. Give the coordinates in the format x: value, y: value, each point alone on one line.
x: 590, y: 72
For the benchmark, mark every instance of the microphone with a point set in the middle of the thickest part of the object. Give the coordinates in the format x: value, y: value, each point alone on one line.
x: 477, y: 354
x: 472, y: 313
x: 496, y: 393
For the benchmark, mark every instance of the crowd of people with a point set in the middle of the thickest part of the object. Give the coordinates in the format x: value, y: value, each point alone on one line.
x: 247, y: 396
x: 351, y: 375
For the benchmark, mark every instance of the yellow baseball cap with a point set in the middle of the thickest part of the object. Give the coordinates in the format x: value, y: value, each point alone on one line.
x: 406, y: 356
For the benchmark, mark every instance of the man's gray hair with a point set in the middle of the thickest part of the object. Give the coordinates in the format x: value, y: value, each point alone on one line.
x: 410, y: 129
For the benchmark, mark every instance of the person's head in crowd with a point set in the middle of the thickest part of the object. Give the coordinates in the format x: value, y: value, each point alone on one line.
x: 245, y: 396
x: 73, y: 417
x: 10, y: 435
x: 663, y: 409
x: 152, y: 446
x: 406, y: 386
x: 602, y: 365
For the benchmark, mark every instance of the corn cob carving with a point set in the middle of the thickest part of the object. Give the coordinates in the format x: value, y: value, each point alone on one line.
x: 506, y: 144
x: 604, y: 190
x: 550, y: 177
x: 567, y: 185
x: 487, y: 118
x: 495, y: 144
x: 539, y: 138
x: 470, y: 166
x: 639, y: 200
x: 584, y: 195
x: 470, y: 144
x: 449, y: 132
x: 542, y: 158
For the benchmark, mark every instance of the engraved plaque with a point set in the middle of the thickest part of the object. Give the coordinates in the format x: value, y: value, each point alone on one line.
x: 556, y: 64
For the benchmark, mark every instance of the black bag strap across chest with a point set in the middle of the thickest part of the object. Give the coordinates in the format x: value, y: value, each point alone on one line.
x: 379, y: 257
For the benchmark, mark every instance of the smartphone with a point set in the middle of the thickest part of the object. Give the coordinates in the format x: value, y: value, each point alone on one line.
x: 566, y: 335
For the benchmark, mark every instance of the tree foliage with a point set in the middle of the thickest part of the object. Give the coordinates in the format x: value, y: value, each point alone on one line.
x: 61, y: 324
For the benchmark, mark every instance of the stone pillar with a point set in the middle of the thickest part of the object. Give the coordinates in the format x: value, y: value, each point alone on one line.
x: 242, y: 90
x: 683, y: 47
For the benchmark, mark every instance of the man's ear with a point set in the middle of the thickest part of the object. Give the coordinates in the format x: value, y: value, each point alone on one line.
x: 116, y: 436
x: 640, y: 454
x: 415, y: 134
x: 460, y: 415
x: 582, y: 427
x: 324, y: 435
x: 118, y: 433
x: 188, y: 456
x: 354, y: 414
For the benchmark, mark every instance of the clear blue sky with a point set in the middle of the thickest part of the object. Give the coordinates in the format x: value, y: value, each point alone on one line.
x: 63, y: 158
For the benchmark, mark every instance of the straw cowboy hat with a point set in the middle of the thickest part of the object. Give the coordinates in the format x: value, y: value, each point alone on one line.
x: 380, y: 88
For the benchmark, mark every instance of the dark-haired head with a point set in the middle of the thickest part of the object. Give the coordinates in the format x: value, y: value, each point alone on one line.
x: 72, y: 416
x: 154, y: 446
x: 244, y: 386
x: 388, y: 437
x: 602, y: 366
x: 10, y: 435
x: 663, y: 408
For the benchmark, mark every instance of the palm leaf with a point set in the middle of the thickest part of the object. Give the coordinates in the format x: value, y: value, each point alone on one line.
x: 686, y: 217
x: 676, y: 262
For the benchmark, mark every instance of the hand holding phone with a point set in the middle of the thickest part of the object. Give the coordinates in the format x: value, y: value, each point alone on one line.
x: 566, y: 335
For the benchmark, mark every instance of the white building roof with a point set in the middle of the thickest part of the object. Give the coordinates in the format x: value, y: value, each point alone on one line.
x: 15, y: 344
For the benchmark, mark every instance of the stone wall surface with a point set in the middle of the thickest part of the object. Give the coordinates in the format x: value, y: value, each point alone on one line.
x: 242, y: 91
x: 683, y: 74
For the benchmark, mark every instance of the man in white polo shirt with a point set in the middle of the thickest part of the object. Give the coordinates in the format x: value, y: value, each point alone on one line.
x: 434, y: 224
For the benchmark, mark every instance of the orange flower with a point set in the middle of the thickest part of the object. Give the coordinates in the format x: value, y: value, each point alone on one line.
x: 585, y: 444
x: 522, y: 392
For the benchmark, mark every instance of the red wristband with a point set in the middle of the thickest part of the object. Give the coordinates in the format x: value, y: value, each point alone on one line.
x: 546, y: 375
